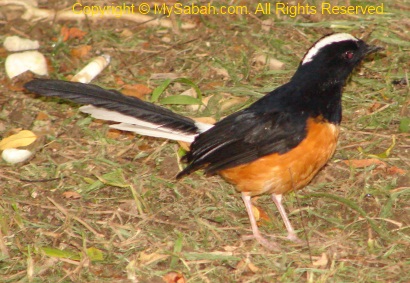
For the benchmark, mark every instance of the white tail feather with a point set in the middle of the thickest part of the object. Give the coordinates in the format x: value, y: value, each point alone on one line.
x: 158, y: 133
x: 131, y: 124
x: 203, y: 127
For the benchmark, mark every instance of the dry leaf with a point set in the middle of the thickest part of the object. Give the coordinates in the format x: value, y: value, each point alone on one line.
x: 374, y: 107
x: 206, y: 120
x: 213, y: 84
x: 126, y: 33
x: 256, y: 213
x: 72, y: 195
x: 42, y: 116
x: 166, y: 39
x: 246, y: 265
x: 322, y: 261
x: 147, y: 259
x: 137, y: 90
x: 3, y: 52
x: 23, y: 138
x: 222, y: 72
x: 360, y: 163
x: 226, y: 104
x: 272, y: 63
x: 70, y: 33
x: 196, y: 107
x: 174, y: 277
x: 130, y: 207
x: 253, y: 268
x: 396, y: 171
x: 118, y: 80
x: 185, y: 145
x: 81, y: 51
x: 260, y: 214
x: 113, y: 134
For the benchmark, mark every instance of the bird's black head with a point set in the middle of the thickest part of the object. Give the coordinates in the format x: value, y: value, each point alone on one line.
x: 331, y: 59
x: 323, y: 72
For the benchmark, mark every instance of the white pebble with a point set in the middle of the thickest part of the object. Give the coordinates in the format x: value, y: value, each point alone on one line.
x: 19, y: 63
x: 15, y: 43
x: 13, y: 155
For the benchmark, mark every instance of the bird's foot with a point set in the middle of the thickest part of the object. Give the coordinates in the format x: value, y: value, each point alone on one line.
x: 268, y: 244
x: 292, y: 237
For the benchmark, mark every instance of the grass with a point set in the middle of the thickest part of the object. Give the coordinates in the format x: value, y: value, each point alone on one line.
x: 133, y: 222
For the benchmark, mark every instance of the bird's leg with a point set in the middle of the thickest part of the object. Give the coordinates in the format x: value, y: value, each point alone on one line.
x: 255, y: 230
x: 277, y: 199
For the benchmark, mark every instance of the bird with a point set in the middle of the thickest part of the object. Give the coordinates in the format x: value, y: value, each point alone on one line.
x: 274, y: 146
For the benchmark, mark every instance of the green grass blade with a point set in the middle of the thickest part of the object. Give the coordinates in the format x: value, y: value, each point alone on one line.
x: 156, y: 93
x: 180, y: 100
x: 177, y: 251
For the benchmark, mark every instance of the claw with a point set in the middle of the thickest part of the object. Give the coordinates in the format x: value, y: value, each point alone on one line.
x: 268, y: 244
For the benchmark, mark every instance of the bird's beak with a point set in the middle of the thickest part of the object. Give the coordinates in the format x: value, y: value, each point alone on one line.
x: 372, y: 49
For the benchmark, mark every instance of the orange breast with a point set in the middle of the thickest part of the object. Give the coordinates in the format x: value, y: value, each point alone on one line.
x: 281, y: 173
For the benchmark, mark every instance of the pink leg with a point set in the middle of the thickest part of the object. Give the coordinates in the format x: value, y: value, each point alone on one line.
x: 277, y: 199
x: 255, y: 230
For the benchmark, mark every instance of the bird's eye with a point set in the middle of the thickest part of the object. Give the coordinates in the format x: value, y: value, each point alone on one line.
x: 348, y: 55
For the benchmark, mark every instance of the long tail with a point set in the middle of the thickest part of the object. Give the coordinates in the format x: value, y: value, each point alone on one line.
x: 133, y: 114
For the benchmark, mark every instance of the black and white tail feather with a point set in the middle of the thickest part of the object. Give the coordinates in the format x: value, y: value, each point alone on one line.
x: 131, y: 113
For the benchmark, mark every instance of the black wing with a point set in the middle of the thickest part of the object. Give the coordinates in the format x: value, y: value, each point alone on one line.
x: 274, y: 124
